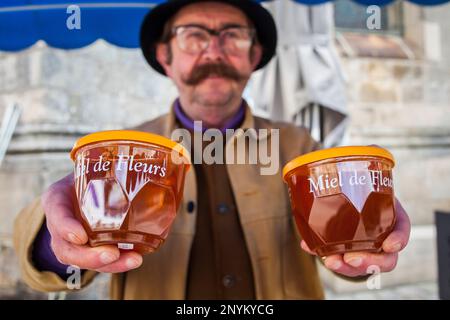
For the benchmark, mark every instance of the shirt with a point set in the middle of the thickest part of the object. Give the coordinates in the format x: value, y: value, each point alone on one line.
x: 219, y: 265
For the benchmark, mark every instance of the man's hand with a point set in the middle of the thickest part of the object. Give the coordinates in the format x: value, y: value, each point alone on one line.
x: 69, y: 239
x: 355, y: 264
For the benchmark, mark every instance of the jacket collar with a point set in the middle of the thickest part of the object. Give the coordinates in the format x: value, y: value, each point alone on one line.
x: 248, y: 123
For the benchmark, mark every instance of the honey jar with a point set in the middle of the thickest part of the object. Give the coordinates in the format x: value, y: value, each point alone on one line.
x: 129, y: 185
x: 342, y: 198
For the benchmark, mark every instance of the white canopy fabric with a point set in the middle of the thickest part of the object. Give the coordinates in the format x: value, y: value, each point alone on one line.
x: 304, y: 83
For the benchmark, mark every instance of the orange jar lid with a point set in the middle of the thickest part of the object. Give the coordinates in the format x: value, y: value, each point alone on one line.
x: 337, y: 152
x: 137, y: 136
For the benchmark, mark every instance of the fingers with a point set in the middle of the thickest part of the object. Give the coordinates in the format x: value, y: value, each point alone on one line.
x: 127, y: 261
x: 399, y: 237
x: 336, y: 263
x: 69, y: 237
x: 84, y: 257
x: 102, y: 259
x: 58, y: 203
x: 62, y: 223
x: 306, y: 248
x: 361, y: 263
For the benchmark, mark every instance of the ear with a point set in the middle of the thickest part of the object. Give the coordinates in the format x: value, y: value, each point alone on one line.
x: 163, y: 56
x: 256, y: 55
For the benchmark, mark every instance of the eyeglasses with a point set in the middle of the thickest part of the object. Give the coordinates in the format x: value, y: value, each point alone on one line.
x: 194, y: 39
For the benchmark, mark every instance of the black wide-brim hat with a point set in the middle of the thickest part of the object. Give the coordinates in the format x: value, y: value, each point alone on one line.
x: 153, y: 26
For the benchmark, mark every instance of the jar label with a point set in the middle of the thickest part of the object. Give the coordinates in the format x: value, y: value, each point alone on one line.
x: 357, y: 180
x: 124, y: 163
x: 125, y: 246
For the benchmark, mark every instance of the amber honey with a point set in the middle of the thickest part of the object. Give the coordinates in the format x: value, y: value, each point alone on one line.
x: 345, y: 202
x: 128, y: 192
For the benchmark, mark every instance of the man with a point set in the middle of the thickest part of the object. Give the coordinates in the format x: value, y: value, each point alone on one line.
x: 234, y: 236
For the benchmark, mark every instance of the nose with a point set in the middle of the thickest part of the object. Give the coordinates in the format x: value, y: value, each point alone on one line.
x: 214, y: 50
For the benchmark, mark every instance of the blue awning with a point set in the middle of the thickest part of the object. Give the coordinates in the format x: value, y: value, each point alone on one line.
x: 24, y: 22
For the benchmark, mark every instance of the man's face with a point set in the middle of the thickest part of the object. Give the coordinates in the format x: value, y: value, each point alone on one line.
x: 211, y: 77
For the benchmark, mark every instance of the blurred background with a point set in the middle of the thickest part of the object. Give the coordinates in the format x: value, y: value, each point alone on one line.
x: 352, y: 74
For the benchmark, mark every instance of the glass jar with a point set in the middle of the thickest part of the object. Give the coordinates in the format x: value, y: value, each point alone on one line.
x: 342, y: 198
x: 129, y: 186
